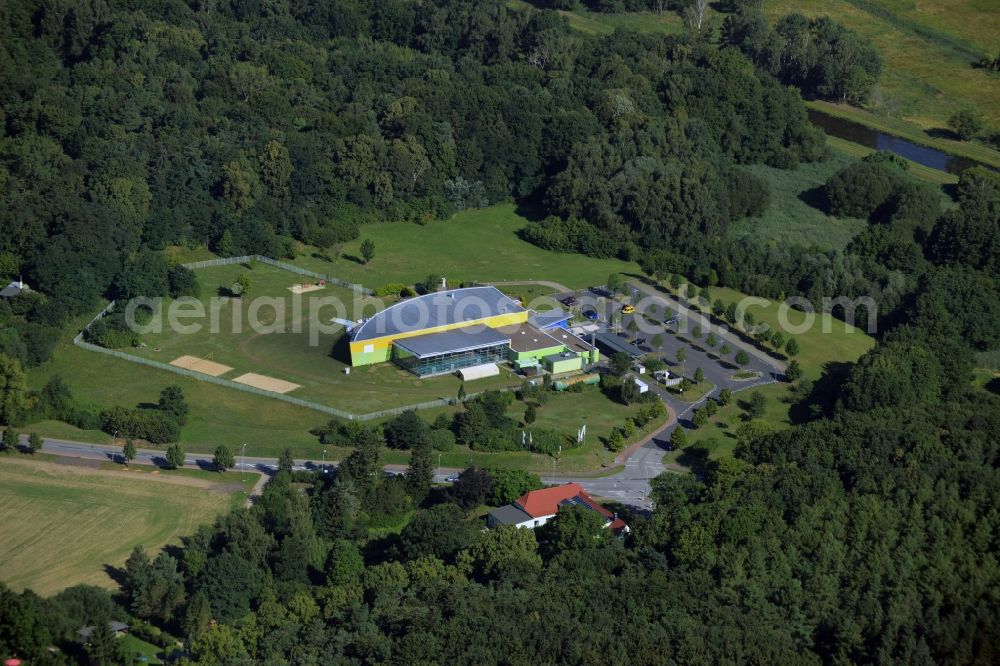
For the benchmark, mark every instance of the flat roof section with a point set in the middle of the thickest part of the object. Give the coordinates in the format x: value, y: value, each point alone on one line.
x: 571, y: 341
x: 510, y: 514
x: 565, y: 356
x: 436, y: 309
x: 616, y: 344
x: 457, y: 340
x: 527, y: 338
x: 549, y: 318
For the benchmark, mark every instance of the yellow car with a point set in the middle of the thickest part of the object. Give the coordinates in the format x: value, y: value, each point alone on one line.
x: 628, y: 309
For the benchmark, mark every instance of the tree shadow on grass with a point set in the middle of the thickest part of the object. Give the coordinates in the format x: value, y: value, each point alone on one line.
x: 942, y: 133
x: 354, y: 258
x: 821, y: 400
x: 694, y: 457
x: 117, y: 574
x: 531, y: 210
x: 815, y: 197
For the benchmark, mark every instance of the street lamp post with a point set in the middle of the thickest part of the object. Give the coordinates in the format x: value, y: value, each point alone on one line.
x: 324, y: 461
x: 439, y: 465
x: 114, y: 443
x: 243, y: 462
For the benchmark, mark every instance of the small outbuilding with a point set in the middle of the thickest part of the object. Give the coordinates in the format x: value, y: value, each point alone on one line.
x: 13, y: 289
x: 561, y: 363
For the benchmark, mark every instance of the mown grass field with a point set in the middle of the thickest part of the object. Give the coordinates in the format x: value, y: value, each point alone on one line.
x: 474, y: 245
x: 64, y: 524
x: 928, y: 47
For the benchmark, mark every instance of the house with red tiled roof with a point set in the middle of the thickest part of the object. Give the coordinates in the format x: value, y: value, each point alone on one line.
x: 536, y: 507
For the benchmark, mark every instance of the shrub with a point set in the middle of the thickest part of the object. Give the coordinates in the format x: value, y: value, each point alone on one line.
x: 861, y: 188
x: 442, y: 439
x: 392, y: 289
x: 615, y: 442
x: 966, y: 123
x: 152, y: 426
x: 111, y: 332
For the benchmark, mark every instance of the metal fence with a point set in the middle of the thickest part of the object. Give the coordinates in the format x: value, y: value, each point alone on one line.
x: 226, y: 261
x: 326, y: 409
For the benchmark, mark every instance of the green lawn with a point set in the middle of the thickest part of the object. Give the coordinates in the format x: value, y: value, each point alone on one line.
x: 474, y: 245
x: 928, y: 73
x: 219, y: 415
x: 789, y: 218
x: 136, y: 646
x: 63, y: 524
x: 695, y: 393
x: 535, y: 296
x: 404, y: 253
x: 717, y: 438
x: 827, y: 340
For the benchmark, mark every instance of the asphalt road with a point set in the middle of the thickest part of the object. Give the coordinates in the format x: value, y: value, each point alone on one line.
x: 629, y: 486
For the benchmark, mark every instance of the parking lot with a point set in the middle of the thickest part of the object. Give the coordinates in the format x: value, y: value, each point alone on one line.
x: 650, y: 329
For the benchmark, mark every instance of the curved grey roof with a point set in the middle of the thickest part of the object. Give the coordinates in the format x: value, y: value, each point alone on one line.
x: 436, y: 309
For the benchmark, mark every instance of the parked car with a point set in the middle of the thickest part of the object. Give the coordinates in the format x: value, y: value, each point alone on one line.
x: 628, y: 309
x: 452, y: 479
x: 590, y: 314
x: 600, y: 291
x: 670, y: 322
x: 569, y: 301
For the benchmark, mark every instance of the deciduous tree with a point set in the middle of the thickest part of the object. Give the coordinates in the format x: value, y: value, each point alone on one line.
x: 223, y: 458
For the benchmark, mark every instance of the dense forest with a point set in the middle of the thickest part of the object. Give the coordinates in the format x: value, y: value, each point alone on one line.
x: 867, y: 533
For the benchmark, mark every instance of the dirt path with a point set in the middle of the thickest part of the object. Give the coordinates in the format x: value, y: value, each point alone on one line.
x: 257, y: 489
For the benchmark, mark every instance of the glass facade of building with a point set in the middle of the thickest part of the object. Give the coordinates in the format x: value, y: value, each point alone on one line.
x: 446, y: 362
